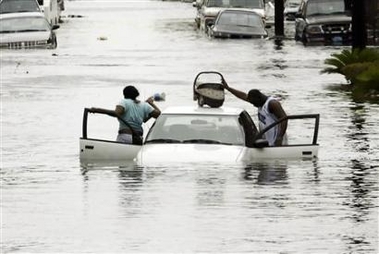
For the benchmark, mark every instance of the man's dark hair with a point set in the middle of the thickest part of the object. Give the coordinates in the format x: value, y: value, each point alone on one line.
x: 130, y: 92
x: 254, y: 93
x: 256, y: 98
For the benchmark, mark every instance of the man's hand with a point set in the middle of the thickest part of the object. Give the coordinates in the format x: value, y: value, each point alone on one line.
x: 224, y: 84
x: 150, y: 100
x: 279, y: 141
x: 92, y: 110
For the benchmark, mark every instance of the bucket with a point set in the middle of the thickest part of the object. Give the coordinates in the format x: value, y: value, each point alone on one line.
x: 208, y: 89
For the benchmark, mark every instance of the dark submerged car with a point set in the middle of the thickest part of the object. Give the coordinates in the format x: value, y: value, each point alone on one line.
x: 207, y: 10
x: 11, y: 6
x: 325, y: 22
x: 237, y: 23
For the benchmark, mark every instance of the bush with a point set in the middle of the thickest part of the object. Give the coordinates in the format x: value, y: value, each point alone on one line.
x: 356, y: 65
x: 361, y: 70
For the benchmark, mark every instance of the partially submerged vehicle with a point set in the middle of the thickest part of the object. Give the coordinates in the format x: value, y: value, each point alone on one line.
x: 229, y: 135
x: 238, y: 23
x: 17, y: 6
x: 323, y: 22
x: 27, y: 30
x: 203, y: 133
x: 207, y: 10
x: 190, y: 134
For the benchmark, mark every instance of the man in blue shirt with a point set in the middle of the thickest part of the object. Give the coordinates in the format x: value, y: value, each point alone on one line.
x: 131, y: 114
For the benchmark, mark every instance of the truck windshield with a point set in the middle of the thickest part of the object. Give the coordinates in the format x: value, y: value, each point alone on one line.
x: 236, y: 3
x: 325, y: 7
x: 240, y: 19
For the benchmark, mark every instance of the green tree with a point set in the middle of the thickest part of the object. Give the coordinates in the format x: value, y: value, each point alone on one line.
x: 356, y: 65
x: 360, y: 68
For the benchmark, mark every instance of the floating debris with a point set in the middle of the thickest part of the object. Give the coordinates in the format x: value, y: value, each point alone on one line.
x: 75, y: 16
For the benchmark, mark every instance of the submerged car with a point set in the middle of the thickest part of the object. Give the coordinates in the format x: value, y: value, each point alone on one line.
x: 195, y: 134
x: 208, y: 9
x: 26, y: 30
x: 325, y: 22
x: 235, y: 23
x: 12, y: 6
x: 206, y: 133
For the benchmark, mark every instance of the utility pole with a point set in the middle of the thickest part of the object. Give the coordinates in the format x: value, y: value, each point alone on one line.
x: 279, y: 18
x: 359, y: 32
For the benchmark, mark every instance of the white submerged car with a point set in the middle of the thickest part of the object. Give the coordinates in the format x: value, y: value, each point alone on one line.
x: 203, y: 135
x: 27, y: 30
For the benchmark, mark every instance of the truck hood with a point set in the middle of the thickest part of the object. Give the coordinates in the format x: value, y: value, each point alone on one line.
x: 328, y: 19
x: 240, y: 30
x: 24, y: 37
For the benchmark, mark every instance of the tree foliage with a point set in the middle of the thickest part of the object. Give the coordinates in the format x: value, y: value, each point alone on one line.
x: 357, y: 65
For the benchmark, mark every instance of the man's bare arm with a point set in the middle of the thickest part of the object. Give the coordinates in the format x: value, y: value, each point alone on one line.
x: 156, y: 112
x: 276, y: 108
x: 235, y: 92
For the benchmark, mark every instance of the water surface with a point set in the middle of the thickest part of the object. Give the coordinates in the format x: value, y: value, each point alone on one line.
x: 51, y: 204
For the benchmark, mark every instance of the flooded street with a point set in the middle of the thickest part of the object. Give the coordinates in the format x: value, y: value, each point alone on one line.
x: 52, y: 204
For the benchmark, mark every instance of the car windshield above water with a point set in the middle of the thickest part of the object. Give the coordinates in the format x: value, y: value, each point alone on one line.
x: 325, y: 7
x: 188, y: 128
x: 11, y: 6
x: 292, y: 3
x: 236, y: 3
x: 26, y: 24
x: 240, y: 19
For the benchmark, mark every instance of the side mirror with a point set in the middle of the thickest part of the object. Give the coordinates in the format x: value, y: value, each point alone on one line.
x: 210, y: 24
x: 290, y: 16
x: 197, y: 4
x: 298, y: 15
x: 54, y: 27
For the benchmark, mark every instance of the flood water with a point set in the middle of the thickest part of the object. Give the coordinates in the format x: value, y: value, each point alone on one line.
x: 52, y: 204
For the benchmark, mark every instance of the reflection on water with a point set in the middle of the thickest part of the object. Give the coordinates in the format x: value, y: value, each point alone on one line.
x: 361, y: 167
x: 268, y: 173
x: 357, y: 134
x: 210, y: 190
x: 360, y: 191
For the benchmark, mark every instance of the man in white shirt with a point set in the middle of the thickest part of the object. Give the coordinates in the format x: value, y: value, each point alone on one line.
x: 269, y: 111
